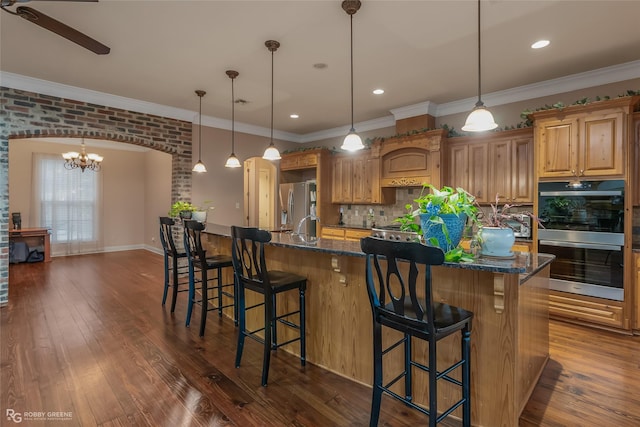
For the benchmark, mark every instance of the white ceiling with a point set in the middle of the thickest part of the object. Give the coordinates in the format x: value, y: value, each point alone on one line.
x: 417, y: 51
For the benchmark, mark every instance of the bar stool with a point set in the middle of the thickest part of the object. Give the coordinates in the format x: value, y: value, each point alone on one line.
x: 395, y: 304
x: 200, y: 262
x: 251, y: 273
x: 175, y: 269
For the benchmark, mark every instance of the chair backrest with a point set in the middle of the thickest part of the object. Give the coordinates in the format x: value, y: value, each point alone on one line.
x: 395, y: 283
x: 166, y: 236
x: 192, y: 240
x: 249, y: 264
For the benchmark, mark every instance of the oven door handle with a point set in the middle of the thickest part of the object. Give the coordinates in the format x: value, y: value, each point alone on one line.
x: 580, y: 193
x: 580, y: 245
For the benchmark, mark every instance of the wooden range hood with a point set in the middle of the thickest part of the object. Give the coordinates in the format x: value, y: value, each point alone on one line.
x: 410, y: 161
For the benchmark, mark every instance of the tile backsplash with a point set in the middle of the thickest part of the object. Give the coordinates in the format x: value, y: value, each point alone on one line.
x: 360, y: 216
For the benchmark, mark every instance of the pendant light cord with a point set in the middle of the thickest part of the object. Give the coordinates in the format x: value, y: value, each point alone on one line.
x: 272, y: 97
x: 352, y: 128
x: 200, y: 132
x: 233, y: 119
x: 479, y: 103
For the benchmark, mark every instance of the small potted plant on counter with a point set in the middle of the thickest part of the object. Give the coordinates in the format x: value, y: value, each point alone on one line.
x: 495, y: 234
x: 182, y: 210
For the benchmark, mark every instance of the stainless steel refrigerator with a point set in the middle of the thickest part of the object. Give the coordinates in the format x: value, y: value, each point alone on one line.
x: 297, y: 200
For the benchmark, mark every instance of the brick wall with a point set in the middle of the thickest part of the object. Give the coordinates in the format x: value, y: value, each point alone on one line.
x: 26, y: 114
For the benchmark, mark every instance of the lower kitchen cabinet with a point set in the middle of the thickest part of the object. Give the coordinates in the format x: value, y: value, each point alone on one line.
x: 585, y: 310
x: 636, y: 292
x: 341, y: 233
x: 332, y: 233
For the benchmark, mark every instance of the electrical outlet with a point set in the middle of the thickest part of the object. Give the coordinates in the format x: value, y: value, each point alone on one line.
x: 153, y: 239
x: 237, y: 205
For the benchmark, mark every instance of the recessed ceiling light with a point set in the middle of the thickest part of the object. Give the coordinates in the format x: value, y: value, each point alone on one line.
x: 378, y: 91
x: 294, y: 116
x: 540, y: 44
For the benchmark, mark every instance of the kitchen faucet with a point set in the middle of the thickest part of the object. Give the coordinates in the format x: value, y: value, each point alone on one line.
x: 304, y: 236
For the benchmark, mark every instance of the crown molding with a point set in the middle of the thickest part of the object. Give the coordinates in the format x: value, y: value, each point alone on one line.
x: 379, y: 123
x: 599, y: 77
x: 414, y: 110
x: 615, y: 73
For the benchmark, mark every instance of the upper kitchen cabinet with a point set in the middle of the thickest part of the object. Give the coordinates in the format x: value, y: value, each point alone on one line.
x: 356, y: 179
x: 584, y: 140
x: 411, y: 160
x: 635, y: 165
x: 496, y: 163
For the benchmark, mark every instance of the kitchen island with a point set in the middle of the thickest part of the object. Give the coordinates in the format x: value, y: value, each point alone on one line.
x: 509, y: 340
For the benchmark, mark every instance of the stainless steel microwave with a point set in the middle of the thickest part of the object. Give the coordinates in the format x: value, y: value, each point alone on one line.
x: 521, y: 226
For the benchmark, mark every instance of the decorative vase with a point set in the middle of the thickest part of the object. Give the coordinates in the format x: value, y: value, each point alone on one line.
x: 454, y: 225
x: 200, y: 216
x: 497, y: 241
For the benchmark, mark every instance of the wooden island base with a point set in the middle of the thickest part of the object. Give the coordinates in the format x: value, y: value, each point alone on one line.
x: 509, y: 340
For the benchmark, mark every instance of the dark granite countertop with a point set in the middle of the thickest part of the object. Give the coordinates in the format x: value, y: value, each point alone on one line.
x: 525, y: 264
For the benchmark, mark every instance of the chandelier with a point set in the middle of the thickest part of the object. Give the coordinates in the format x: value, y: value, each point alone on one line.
x: 82, y: 160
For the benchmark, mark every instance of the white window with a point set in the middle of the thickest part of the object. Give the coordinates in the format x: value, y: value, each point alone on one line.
x: 69, y: 203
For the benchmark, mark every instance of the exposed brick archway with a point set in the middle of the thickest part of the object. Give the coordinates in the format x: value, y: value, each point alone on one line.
x: 26, y: 114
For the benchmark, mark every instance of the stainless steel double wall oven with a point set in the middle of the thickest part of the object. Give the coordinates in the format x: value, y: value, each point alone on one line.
x: 584, y: 229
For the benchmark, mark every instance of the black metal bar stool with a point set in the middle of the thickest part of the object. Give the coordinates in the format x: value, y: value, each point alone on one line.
x: 251, y: 273
x: 396, y: 304
x: 200, y: 262
x: 174, y: 270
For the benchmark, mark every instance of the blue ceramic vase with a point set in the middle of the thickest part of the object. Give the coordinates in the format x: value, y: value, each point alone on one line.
x: 454, y: 224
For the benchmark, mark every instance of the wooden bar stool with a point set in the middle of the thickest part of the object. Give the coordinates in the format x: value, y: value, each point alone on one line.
x: 398, y: 304
x: 174, y: 270
x: 252, y: 273
x: 200, y: 262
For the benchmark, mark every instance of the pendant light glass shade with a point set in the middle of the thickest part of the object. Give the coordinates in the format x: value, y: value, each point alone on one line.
x: 352, y: 142
x: 232, y: 161
x: 480, y: 119
x: 199, y: 166
x: 271, y: 153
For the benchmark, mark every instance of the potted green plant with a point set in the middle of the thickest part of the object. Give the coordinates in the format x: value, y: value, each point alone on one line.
x: 495, y: 233
x: 443, y: 215
x: 182, y: 210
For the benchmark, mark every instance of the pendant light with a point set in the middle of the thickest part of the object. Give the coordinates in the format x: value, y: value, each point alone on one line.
x: 480, y: 119
x: 352, y: 142
x: 271, y: 153
x: 232, y: 161
x: 199, y: 167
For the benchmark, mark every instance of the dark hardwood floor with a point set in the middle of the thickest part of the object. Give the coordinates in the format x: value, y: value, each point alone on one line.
x: 88, y: 337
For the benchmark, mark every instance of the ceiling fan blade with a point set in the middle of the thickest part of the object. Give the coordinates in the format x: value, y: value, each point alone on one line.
x: 61, y: 29
x: 27, y: 1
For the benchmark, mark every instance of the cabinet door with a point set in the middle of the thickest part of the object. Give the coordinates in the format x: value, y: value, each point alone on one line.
x: 522, y: 173
x: 557, y: 145
x: 601, y: 151
x: 361, y: 189
x: 635, y: 165
x: 342, y: 178
x: 478, y: 172
x: 636, y: 292
x: 458, y: 166
x: 500, y: 178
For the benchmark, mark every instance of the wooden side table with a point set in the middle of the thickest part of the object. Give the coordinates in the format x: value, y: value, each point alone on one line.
x: 34, y: 237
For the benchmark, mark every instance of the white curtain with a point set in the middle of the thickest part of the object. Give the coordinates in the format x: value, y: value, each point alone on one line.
x: 69, y: 202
